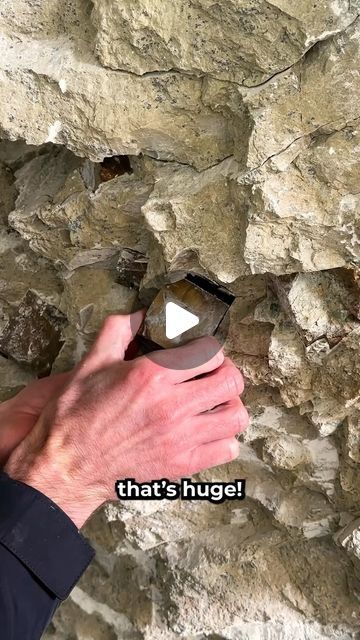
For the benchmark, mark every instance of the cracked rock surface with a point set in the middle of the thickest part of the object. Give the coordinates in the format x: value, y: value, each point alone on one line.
x: 143, y: 140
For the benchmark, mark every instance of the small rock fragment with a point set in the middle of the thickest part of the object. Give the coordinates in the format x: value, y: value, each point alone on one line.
x: 349, y: 537
x: 315, y: 303
x: 131, y: 268
x: 33, y: 334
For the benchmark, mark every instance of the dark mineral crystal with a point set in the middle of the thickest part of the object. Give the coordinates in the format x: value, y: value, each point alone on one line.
x: 32, y: 336
x: 131, y: 268
x: 210, y: 306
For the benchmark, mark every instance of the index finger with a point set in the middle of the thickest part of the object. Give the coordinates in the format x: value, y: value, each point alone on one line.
x: 190, y: 360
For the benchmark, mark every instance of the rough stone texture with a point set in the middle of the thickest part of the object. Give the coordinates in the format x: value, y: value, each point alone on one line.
x: 239, y: 123
x: 33, y: 334
x: 225, y: 39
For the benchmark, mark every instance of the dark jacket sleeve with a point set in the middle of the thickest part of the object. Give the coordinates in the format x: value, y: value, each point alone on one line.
x: 42, y: 556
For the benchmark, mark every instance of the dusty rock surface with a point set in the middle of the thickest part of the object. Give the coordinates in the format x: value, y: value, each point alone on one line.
x: 141, y: 140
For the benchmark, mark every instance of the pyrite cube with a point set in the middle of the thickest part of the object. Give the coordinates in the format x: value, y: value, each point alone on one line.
x: 206, y: 305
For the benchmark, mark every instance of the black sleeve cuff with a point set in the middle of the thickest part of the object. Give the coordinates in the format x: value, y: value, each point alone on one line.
x: 42, y: 536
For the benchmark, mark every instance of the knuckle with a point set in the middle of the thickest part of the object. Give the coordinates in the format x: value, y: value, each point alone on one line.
x: 234, y: 381
x: 142, y: 370
x: 238, y: 414
x: 239, y: 417
x: 234, y: 414
x: 244, y: 420
x: 240, y: 381
x: 151, y: 372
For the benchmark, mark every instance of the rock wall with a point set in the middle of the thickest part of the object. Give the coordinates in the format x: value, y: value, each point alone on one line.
x: 141, y: 138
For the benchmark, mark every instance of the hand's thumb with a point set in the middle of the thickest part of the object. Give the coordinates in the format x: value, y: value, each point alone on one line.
x: 113, y: 339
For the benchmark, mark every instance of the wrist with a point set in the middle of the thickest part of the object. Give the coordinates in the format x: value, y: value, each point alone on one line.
x: 47, y: 474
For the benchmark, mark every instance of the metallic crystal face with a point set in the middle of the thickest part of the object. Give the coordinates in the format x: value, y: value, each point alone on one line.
x: 183, y: 311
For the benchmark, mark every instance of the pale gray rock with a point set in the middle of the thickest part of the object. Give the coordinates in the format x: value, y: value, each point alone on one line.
x: 68, y: 222
x: 353, y: 436
x: 349, y: 537
x: 302, y: 219
x: 309, y: 97
x: 21, y: 269
x: 183, y: 211
x: 226, y: 39
x: 291, y: 371
x: 248, y: 340
x: 337, y: 382
x: 263, y: 568
x: 162, y: 116
x: 90, y: 295
x: 318, y: 304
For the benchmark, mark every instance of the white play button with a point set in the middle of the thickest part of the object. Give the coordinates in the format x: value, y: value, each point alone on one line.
x: 178, y: 320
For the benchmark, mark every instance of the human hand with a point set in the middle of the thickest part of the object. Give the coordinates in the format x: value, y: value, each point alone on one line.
x: 141, y: 419
x: 19, y: 414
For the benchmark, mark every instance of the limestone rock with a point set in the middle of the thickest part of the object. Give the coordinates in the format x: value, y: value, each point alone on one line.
x: 351, y: 279
x: 92, y: 294
x: 353, y: 437
x: 131, y: 268
x: 68, y: 222
x: 7, y: 192
x: 289, y: 366
x: 269, y: 418
x: 307, y: 511
x: 186, y: 572
x: 14, y: 154
x: 21, y: 269
x: 337, y: 383
x: 87, y: 624
x: 183, y: 211
x: 75, y: 345
x: 308, y: 98
x: 248, y: 340
x: 170, y: 121
x: 140, y: 37
x: 349, y: 537
x: 305, y: 215
x: 317, y: 304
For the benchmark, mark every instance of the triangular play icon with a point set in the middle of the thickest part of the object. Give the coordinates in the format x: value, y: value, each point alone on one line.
x: 178, y: 320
